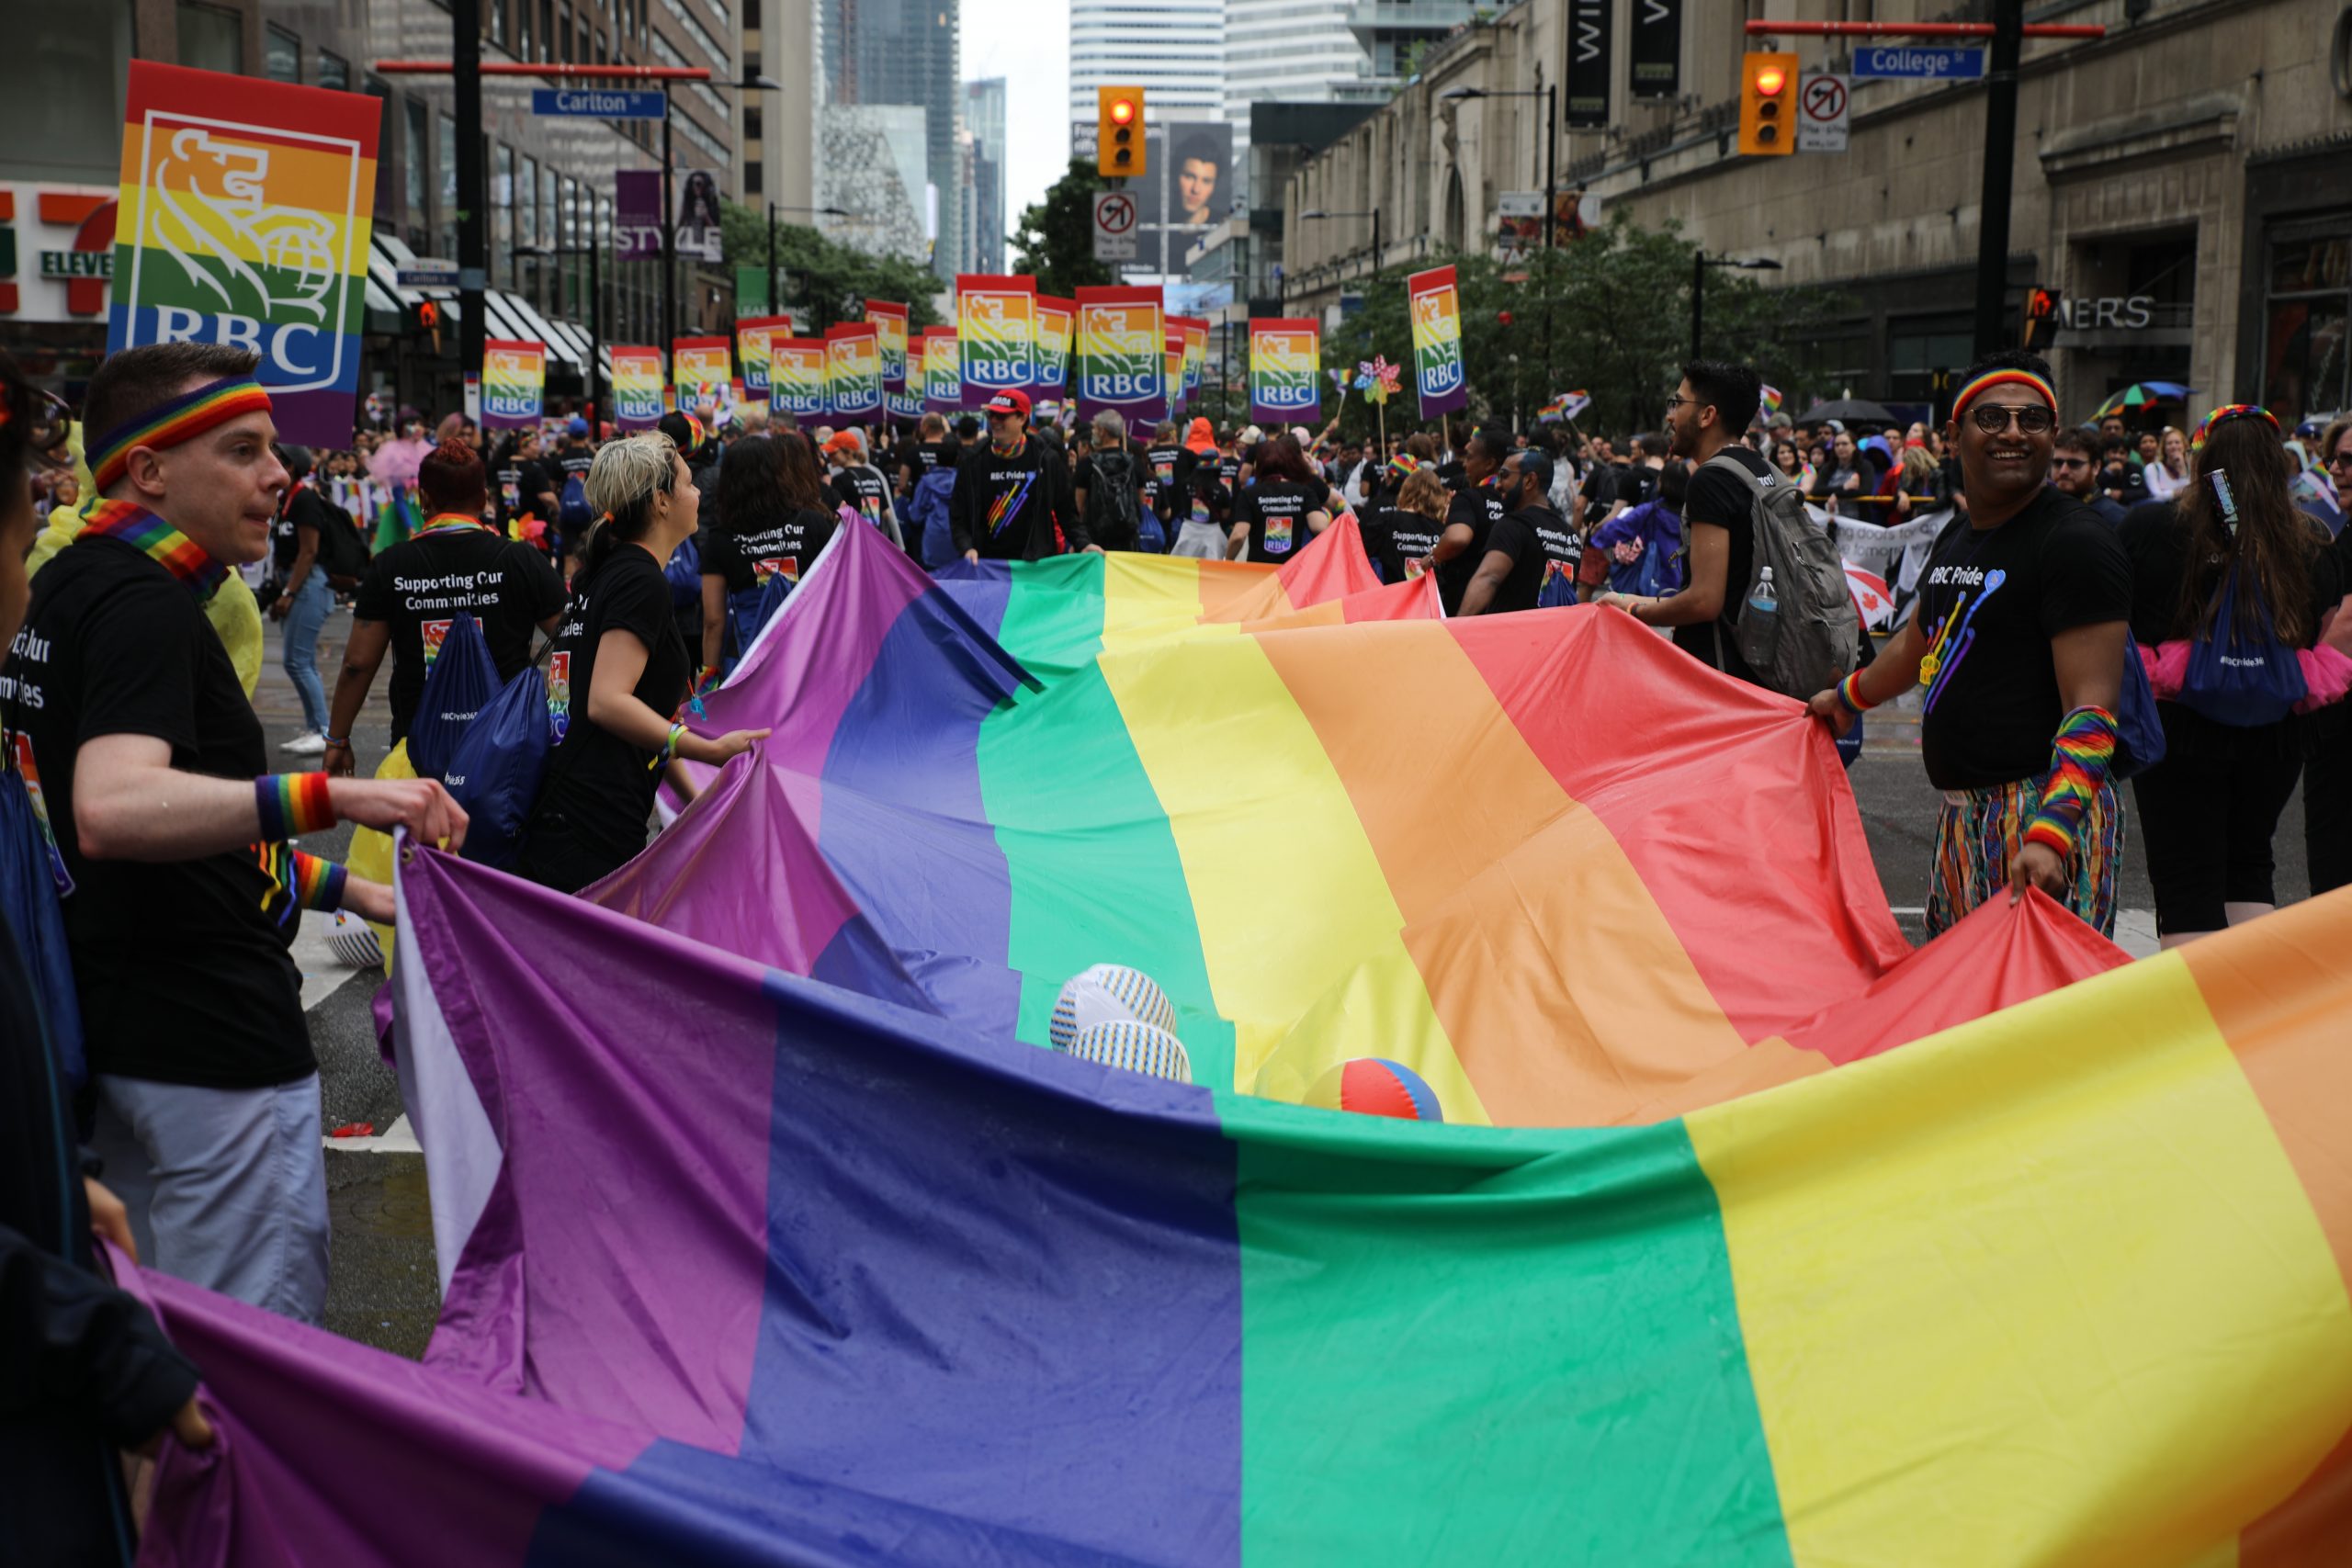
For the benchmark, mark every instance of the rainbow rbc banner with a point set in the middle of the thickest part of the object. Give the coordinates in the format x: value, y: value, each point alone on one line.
x: 1195, y: 333
x: 637, y: 387
x: 1176, y: 389
x: 1284, y: 386
x: 996, y: 329
x: 699, y: 367
x: 513, y: 383
x: 1439, y: 374
x: 854, y: 370
x: 891, y: 318
x: 1057, y: 319
x: 244, y: 219
x: 943, y: 372
x: 1122, y: 353
x: 752, y: 337
x: 797, y: 375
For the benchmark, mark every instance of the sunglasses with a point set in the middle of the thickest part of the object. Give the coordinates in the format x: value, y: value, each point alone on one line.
x: 2070, y: 462
x: 2034, y: 419
x: 2340, y: 458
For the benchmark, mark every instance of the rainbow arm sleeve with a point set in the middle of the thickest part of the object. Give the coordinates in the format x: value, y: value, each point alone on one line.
x: 318, y: 884
x: 2080, y: 755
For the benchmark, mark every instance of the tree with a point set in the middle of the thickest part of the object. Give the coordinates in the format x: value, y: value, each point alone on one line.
x: 1054, y: 240
x: 832, y: 281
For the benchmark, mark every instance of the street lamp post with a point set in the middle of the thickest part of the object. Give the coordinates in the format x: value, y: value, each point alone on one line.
x: 1700, y: 262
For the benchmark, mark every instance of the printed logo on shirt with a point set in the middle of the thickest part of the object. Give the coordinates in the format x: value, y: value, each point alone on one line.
x: 435, y: 632
x: 1413, y: 567
x: 1953, y: 640
x: 30, y: 771
x: 1007, y: 504
x: 1559, y: 571
x: 1278, y: 535
x: 786, y: 567
x: 1200, y: 510
x: 559, y: 696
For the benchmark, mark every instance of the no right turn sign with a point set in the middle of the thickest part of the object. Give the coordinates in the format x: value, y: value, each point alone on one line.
x: 1823, y: 100
x: 1114, y: 226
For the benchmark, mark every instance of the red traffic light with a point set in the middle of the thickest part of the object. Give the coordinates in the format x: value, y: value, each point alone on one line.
x: 1121, y: 112
x: 1770, y: 79
x: 428, y: 314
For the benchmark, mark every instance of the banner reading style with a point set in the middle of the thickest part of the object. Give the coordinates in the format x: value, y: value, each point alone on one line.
x: 1285, y: 386
x: 996, y: 327
x: 699, y: 366
x: 943, y: 372
x: 854, y: 370
x: 1438, y: 372
x: 1122, y: 353
x: 1196, y: 350
x: 1587, y: 80
x: 1176, y: 388
x: 751, y: 337
x: 891, y: 318
x: 797, y: 376
x: 513, y: 383
x: 244, y: 219
x: 637, y: 387
x: 1656, y: 53
x: 1056, y: 320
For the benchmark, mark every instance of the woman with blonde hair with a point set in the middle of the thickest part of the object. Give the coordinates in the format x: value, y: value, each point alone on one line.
x: 619, y: 672
x: 2168, y: 475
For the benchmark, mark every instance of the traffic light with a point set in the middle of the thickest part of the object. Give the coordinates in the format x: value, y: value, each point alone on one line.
x: 1118, y: 131
x: 2041, y: 313
x: 425, y: 320
x: 1767, y: 90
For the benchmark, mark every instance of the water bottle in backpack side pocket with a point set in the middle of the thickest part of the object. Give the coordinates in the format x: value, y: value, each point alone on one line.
x: 1759, y: 617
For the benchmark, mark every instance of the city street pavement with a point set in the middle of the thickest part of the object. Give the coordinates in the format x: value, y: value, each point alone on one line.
x: 383, y: 1288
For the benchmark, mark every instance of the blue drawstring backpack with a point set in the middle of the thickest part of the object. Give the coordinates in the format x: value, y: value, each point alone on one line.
x: 1151, y: 537
x: 495, y: 769
x: 750, y: 609
x: 462, y: 680
x: 682, y: 572
x: 30, y: 878
x: 2138, y: 728
x: 928, y: 507
x: 2243, y: 675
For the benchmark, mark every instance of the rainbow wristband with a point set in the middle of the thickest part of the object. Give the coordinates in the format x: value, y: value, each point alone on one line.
x: 318, y: 884
x: 669, y: 748
x: 290, y: 805
x: 2080, y: 755
x: 1849, y: 693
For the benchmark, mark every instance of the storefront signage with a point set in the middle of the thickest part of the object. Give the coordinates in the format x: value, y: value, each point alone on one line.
x: 598, y: 103
x: 77, y: 263
x: 2133, y: 311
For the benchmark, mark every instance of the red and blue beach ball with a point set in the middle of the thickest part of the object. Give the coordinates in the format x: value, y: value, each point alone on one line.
x: 1372, y: 1086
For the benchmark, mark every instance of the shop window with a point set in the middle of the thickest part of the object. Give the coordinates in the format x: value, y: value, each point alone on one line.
x: 2304, y: 348
x: 212, y: 38
x: 71, y: 131
x: 334, y: 71
x: 501, y: 216
x: 446, y: 170
x: 281, y: 54
x: 417, y: 159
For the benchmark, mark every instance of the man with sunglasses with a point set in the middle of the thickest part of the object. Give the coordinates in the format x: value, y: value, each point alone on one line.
x: 2075, y: 470
x: 2017, y: 641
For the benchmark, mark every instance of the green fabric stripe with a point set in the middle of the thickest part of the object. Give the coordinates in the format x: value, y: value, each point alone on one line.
x: 1093, y: 866
x: 162, y: 281
x: 1519, y: 1347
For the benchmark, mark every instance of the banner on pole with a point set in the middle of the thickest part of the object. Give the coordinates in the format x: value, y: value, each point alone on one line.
x: 513, y: 383
x: 905, y: 405
x: 752, y: 337
x: 1438, y: 376
x: 636, y: 215
x: 637, y: 387
x: 1656, y: 69
x: 699, y: 367
x: 1586, y: 88
x: 1195, y: 333
x: 996, y: 326
x: 943, y: 372
x: 1057, y: 319
x: 1175, y: 340
x: 797, y: 376
x: 1285, y: 385
x: 891, y: 320
x: 1122, y: 353
x: 244, y: 219
x: 854, y: 370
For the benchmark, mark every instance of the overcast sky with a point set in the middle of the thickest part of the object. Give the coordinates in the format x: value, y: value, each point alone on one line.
x: 1027, y: 43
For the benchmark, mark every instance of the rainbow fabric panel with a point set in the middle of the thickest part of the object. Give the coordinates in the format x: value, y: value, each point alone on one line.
x: 513, y: 384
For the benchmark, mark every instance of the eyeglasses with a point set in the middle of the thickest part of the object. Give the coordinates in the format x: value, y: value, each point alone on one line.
x: 2034, y: 419
x: 2341, y: 458
x: 2063, y: 462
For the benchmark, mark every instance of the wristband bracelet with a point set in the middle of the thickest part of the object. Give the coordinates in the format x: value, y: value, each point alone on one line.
x: 669, y: 748
x: 1849, y: 694
x: 341, y: 741
x: 290, y: 805
x: 318, y: 884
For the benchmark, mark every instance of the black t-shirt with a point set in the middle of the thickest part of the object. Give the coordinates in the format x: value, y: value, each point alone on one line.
x: 787, y: 547
x: 1275, y: 511
x: 1636, y: 482
x: 1004, y: 507
x: 863, y: 491
x: 302, y: 511
x: 1539, y: 546
x: 521, y: 481
x: 2154, y: 537
x: 1477, y: 508
x: 567, y: 461
x: 598, y: 785
x: 1398, y: 541
x: 1721, y: 499
x: 925, y: 456
x: 420, y: 585
x: 1104, y: 526
x: 1169, y: 468
x: 181, y: 966
x: 1989, y: 603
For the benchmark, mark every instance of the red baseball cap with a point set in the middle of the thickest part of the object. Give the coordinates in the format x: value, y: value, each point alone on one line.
x: 1011, y: 401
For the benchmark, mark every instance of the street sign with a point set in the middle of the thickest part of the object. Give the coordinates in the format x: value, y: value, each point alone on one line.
x: 598, y: 103
x: 1925, y: 62
x: 426, y: 272
x: 1824, y: 101
x: 1114, y: 226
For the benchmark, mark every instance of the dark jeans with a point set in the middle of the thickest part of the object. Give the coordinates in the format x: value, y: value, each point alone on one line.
x: 2327, y: 805
x: 2207, y: 813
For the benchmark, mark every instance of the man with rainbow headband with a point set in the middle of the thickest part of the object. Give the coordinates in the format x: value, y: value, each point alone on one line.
x: 174, y: 852
x: 2017, y: 643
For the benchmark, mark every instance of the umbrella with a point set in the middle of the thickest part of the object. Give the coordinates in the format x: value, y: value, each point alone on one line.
x: 2140, y: 394
x: 1849, y: 410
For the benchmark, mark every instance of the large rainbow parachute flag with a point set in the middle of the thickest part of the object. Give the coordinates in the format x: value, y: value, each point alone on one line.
x: 769, y: 1236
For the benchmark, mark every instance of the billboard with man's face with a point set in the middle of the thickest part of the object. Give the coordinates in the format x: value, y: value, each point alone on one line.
x: 1190, y: 188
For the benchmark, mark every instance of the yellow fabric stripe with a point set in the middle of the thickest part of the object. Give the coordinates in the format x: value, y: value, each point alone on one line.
x: 1293, y: 910
x: 1147, y: 597
x: 2042, y: 1289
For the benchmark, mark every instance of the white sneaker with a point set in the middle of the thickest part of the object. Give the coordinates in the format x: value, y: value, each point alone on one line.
x: 310, y: 743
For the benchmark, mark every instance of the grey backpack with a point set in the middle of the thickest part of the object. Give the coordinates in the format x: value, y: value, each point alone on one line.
x: 1810, y: 643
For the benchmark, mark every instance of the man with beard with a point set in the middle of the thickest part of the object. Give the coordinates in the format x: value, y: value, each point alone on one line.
x: 1531, y: 555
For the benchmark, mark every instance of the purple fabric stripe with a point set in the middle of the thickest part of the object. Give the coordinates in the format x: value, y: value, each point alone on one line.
x: 638, y: 1152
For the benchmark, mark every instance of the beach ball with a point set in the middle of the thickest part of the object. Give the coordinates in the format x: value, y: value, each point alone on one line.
x: 1137, y: 1047
x: 353, y: 941
x: 1108, y: 993
x: 1370, y: 1086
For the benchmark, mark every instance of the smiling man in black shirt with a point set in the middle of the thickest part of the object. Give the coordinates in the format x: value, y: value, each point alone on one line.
x: 1008, y: 493
x: 186, y: 885
x: 2018, y: 642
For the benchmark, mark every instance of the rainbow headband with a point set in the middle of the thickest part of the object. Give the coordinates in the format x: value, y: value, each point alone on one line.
x: 2230, y: 410
x: 1992, y: 378
x: 184, y: 418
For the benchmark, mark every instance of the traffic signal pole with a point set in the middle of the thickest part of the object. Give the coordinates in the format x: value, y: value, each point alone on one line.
x: 473, y: 242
